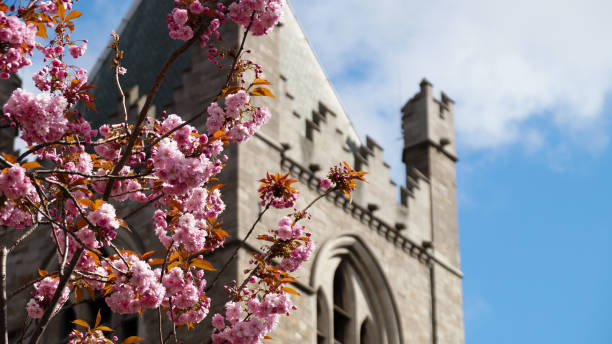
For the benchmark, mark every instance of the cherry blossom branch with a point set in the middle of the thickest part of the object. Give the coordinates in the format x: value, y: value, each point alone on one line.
x: 27, y: 285
x: 145, y: 109
x: 91, y: 176
x: 227, y: 81
x: 227, y: 262
x: 65, y: 143
x: 50, y: 308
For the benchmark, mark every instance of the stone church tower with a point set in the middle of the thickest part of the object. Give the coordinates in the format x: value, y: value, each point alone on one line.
x: 385, y: 270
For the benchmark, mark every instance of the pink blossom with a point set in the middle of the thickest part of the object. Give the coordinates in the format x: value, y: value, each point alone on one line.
x: 325, y: 183
x: 42, y: 295
x: 41, y: 116
x: 78, y: 51
x: 136, y: 291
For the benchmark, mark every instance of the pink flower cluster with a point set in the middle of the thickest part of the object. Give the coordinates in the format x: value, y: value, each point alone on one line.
x: 78, y: 50
x: 90, y: 337
x: 264, y: 13
x: 297, y: 257
x: 179, y: 26
x: 42, y: 295
x: 87, y: 263
x: 15, y: 186
x: 20, y: 40
x: 40, y: 117
x: 138, y: 290
x: 105, y: 219
x: 190, y: 229
x: 177, y: 21
x: 287, y: 230
x: 180, y: 173
x: 51, y: 6
x: 262, y: 316
x: 233, y: 117
x: 185, y: 296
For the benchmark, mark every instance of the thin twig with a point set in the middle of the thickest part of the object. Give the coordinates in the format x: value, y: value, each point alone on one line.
x: 227, y: 262
x: 147, y: 105
x: 23, y: 236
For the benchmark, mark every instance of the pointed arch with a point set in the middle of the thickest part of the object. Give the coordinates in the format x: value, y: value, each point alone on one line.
x: 350, y: 255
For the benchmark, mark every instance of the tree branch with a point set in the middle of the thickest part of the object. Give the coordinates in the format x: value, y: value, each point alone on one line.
x: 50, y: 308
x: 212, y: 284
x: 3, y: 301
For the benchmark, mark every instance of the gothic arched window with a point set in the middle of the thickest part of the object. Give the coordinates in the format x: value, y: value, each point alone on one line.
x: 361, y: 309
x: 343, y: 306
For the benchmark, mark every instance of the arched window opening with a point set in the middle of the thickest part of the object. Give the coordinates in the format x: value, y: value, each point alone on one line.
x: 343, y: 299
x: 322, y: 319
x: 362, y: 307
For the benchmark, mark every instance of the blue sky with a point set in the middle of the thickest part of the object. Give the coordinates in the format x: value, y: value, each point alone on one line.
x: 532, y: 82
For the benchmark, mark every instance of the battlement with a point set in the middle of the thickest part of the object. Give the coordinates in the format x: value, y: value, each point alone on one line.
x: 428, y: 121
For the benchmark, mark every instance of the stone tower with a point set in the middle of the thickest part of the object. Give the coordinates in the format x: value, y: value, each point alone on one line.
x: 429, y: 148
x: 385, y: 271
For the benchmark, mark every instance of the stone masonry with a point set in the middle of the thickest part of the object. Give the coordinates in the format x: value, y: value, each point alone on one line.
x: 400, y: 258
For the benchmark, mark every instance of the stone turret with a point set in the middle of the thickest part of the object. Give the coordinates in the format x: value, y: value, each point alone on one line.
x: 429, y: 146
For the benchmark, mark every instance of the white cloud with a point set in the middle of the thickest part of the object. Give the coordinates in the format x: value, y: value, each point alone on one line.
x: 503, y: 62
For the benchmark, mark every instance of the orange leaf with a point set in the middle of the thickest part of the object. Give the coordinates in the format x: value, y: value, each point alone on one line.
x: 98, y: 203
x: 132, y: 339
x: 260, y: 82
x: 11, y: 158
x: 202, y: 264
x: 73, y: 15
x: 31, y: 164
x: 60, y: 9
x: 42, y: 273
x: 218, y: 186
x: 173, y: 265
x: 81, y: 323
x: 290, y: 290
x: 4, y: 8
x: 42, y: 30
x: 156, y: 261
x: 104, y: 328
x: 261, y: 91
x: 267, y: 337
x: 147, y: 254
x: 98, y: 319
x: 231, y: 90
x: 87, y: 203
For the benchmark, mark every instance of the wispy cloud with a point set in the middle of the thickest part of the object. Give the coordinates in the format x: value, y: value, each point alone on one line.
x: 503, y: 63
